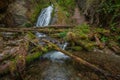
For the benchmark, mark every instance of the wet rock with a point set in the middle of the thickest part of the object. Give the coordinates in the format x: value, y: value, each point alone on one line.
x: 18, y: 12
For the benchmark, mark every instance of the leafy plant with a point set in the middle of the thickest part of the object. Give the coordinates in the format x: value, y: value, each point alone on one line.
x: 110, y: 9
x: 67, y: 5
x: 62, y: 34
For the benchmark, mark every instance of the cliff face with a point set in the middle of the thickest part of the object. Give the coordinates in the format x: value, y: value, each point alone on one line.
x: 15, y: 13
x: 101, y: 12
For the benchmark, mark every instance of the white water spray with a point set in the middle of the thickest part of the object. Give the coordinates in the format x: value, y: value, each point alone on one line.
x: 45, y: 17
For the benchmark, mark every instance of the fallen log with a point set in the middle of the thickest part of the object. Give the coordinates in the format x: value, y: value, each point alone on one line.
x: 20, y: 57
x: 81, y: 61
x: 5, y: 68
x: 46, y: 30
x: 33, y: 28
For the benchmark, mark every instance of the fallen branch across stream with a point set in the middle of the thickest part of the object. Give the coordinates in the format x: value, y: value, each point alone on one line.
x: 81, y: 61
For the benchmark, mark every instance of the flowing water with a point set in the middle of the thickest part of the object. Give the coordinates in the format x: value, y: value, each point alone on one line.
x: 57, y: 69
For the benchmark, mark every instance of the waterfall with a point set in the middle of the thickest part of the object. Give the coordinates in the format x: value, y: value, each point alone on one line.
x: 44, y: 20
x: 45, y: 17
x: 57, y: 56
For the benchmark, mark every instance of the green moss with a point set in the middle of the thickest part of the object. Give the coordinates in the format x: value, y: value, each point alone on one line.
x: 77, y: 48
x: 31, y: 35
x: 83, y: 28
x: 82, y: 31
x: 101, y: 30
x: 87, y: 44
x: 32, y: 57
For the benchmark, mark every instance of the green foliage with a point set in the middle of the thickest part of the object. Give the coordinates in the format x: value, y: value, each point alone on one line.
x: 118, y: 40
x: 104, y: 39
x: 113, y: 28
x: 63, y: 34
x: 101, y: 30
x: 77, y: 48
x: 110, y: 6
x: 111, y: 9
x: 82, y: 30
x: 67, y: 5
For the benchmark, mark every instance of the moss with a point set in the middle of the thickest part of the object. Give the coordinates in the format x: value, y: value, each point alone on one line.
x: 101, y: 30
x: 83, y: 28
x: 87, y: 44
x: 32, y: 57
x: 77, y: 48
x: 80, y: 31
x: 62, y: 34
x: 71, y: 37
x: 30, y: 35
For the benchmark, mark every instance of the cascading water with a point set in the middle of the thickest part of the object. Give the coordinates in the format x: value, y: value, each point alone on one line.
x: 44, y: 20
x: 45, y: 17
x: 57, y: 69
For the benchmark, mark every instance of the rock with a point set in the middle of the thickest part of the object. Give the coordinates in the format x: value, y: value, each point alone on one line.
x: 18, y: 13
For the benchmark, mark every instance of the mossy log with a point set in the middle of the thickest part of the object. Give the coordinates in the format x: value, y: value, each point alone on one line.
x: 82, y: 61
x: 29, y: 58
x: 21, y: 29
x: 46, y: 30
x: 21, y: 58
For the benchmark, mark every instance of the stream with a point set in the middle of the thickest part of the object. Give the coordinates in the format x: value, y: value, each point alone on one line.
x: 57, y: 68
